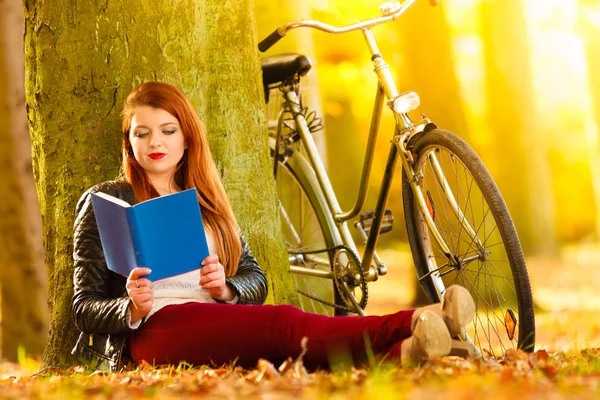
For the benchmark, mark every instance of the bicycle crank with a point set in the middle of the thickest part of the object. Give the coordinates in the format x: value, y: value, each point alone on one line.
x: 349, y: 276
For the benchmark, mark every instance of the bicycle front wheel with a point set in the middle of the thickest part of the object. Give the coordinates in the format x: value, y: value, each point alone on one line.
x: 485, y: 253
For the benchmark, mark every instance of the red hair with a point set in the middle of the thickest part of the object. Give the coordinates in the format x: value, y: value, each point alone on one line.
x: 195, y: 170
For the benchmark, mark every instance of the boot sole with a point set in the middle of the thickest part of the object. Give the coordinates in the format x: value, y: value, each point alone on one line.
x: 433, y: 336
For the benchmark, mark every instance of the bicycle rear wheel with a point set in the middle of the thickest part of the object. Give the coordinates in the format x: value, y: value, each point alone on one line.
x: 494, y: 269
x: 307, y: 235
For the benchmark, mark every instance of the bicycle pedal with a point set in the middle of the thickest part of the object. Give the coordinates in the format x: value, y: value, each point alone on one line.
x: 366, y: 221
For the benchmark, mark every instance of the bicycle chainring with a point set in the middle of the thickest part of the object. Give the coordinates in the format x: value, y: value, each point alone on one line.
x: 347, y: 269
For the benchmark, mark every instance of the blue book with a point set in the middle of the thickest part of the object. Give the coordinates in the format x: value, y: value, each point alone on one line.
x: 164, y: 234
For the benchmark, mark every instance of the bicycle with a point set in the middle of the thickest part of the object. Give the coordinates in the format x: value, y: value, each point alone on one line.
x: 458, y: 226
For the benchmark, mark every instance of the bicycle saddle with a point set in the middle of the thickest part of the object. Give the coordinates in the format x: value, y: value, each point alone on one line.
x: 282, y: 67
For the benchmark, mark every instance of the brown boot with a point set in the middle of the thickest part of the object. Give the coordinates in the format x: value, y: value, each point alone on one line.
x: 430, y: 338
x: 458, y: 309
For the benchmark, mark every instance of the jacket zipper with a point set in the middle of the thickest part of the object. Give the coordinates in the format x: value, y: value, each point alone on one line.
x: 120, y: 355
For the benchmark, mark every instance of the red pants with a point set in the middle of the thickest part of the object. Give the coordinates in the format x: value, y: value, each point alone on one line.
x: 199, y: 333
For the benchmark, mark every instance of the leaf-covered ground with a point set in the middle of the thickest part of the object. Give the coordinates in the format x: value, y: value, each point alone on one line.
x: 516, y: 376
x: 566, y: 363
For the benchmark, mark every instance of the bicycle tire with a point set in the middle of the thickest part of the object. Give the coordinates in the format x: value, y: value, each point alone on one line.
x: 499, y: 285
x: 321, y: 236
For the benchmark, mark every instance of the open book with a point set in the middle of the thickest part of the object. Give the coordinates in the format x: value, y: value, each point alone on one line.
x: 164, y: 234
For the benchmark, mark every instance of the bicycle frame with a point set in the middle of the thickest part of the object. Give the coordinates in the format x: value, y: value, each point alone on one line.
x: 404, y: 131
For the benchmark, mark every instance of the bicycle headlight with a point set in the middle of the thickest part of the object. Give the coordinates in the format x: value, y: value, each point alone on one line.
x: 406, y: 102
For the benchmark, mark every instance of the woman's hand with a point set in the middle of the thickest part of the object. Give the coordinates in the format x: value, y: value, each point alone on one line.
x: 141, y: 293
x: 212, y: 279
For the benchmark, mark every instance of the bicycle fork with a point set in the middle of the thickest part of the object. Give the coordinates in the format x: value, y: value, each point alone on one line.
x: 414, y: 179
x: 405, y: 130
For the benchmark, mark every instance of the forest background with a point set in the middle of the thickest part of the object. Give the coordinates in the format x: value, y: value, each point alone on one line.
x: 519, y: 80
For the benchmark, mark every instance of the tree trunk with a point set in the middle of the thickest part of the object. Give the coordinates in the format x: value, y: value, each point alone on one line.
x: 590, y: 29
x: 523, y: 175
x: 23, y: 307
x: 81, y: 63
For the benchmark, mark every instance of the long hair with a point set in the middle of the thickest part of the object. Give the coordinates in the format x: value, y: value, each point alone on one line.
x: 195, y: 170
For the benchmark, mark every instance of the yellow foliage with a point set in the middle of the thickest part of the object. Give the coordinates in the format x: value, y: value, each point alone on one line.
x: 566, y: 106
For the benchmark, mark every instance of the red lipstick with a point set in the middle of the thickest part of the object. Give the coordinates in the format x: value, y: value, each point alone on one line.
x: 156, y: 156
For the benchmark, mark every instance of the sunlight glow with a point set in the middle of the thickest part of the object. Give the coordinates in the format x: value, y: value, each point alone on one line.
x: 560, y: 101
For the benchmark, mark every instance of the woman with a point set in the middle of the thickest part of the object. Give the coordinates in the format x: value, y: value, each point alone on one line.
x: 204, y: 316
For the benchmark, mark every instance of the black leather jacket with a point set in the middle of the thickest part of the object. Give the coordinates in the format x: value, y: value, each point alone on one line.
x: 100, y: 300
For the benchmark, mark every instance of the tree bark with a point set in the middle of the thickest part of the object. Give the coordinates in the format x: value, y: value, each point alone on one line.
x: 524, y: 174
x: 23, y: 307
x: 84, y: 59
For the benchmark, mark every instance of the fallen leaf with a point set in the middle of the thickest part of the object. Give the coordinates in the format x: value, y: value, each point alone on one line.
x: 286, y: 366
x: 508, y: 374
x: 542, y: 355
x: 512, y: 356
x: 269, y: 369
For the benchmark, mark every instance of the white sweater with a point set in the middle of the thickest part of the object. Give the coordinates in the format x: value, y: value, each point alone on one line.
x: 180, y: 289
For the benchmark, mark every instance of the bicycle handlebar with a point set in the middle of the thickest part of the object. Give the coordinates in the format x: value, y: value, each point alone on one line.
x: 390, y: 12
x: 270, y: 40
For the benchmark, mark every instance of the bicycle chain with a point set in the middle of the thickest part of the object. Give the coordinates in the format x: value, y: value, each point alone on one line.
x: 327, y: 303
x: 362, y: 283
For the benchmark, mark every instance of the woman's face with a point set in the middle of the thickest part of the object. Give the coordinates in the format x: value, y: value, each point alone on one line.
x: 157, y: 141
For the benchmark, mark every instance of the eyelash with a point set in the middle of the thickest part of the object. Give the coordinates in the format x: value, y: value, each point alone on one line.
x: 144, y: 134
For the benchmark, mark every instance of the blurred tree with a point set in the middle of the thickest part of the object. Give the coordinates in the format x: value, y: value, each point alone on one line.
x: 345, y: 152
x: 341, y: 58
x: 524, y: 176
x: 343, y: 158
x: 428, y: 68
x: 272, y: 14
x: 23, y: 308
x: 345, y: 148
x: 76, y: 80
x: 269, y: 16
x: 589, y: 13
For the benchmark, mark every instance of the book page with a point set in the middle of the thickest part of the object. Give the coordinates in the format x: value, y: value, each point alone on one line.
x: 115, y: 233
x: 114, y: 199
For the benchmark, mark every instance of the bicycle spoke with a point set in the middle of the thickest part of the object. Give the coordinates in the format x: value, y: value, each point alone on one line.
x: 488, y: 274
x: 490, y: 305
x: 479, y: 255
x: 465, y: 216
